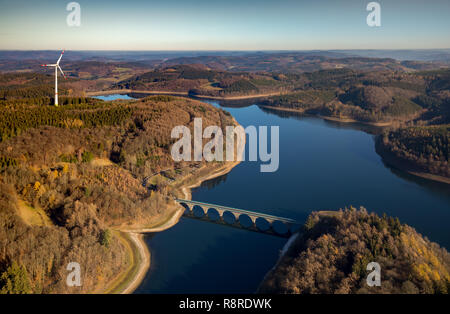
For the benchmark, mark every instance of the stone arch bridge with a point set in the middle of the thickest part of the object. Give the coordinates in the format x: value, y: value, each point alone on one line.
x: 244, y: 219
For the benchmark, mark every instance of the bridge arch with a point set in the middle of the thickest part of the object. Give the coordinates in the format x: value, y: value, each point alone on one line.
x: 187, y: 208
x: 198, y: 211
x: 262, y: 224
x: 245, y: 221
x: 228, y: 217
x: 213, y: 214
x: 252, y: 220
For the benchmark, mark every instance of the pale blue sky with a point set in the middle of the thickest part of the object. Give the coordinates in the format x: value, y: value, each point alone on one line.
x: 224, y: 25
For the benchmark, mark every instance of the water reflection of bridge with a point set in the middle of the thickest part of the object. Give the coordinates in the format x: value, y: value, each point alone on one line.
x: 245, y: 219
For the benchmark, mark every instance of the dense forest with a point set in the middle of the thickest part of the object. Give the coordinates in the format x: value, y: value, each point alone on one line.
x: 302, y: 62
x: 371, y: 96
x: 85, y: 114
x: 420, y: 148
x: 200, y: 80
x: 332, y: 251
x: 71, y: 175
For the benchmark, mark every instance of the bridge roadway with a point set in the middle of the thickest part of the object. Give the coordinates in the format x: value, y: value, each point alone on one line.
x: 246, y: 219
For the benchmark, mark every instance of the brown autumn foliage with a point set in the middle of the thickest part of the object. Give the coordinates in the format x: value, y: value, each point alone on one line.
x: 200, y: 80
x: 424, y: 148
x: 87, y: 178
x: 332, y: 252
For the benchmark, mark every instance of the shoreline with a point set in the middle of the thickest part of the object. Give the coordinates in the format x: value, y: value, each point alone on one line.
x: 349, y: 120
x: 335, y: 119
x: 398, y: 163
x: 136, y: 236
x: 216, y: 173
x: 386, y: 156
x: 130, y: 91
x: 283, y: 252
x: 186, y: 94
x: 144, y: 265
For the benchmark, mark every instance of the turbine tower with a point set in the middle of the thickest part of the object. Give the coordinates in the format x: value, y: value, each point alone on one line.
x: 56, y: 65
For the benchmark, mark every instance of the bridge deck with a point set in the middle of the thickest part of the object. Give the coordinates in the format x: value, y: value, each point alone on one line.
x: 240, y: 211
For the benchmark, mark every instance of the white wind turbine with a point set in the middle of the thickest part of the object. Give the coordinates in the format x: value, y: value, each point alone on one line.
x: 56, y: 65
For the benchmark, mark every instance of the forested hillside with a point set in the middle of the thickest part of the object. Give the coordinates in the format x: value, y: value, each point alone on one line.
x: 332, y: 252
x: 301, y: 62
x: 71, y: 175
x: 373, y: 97
x: 420, y: 148
x: 201, y: 80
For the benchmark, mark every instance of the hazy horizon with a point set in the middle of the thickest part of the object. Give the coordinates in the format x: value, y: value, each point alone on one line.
x: 231, y: 50
x: 201, y: 25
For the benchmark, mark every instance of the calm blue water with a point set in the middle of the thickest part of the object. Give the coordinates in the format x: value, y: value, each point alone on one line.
x: 323, y: 166
x: 113, y: 97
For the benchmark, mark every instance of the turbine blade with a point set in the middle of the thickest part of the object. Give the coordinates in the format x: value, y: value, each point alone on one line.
x: 62, y: 72
x: 60, y: 57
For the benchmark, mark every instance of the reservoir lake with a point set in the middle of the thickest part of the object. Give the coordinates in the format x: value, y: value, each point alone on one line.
x: 323, y: 166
